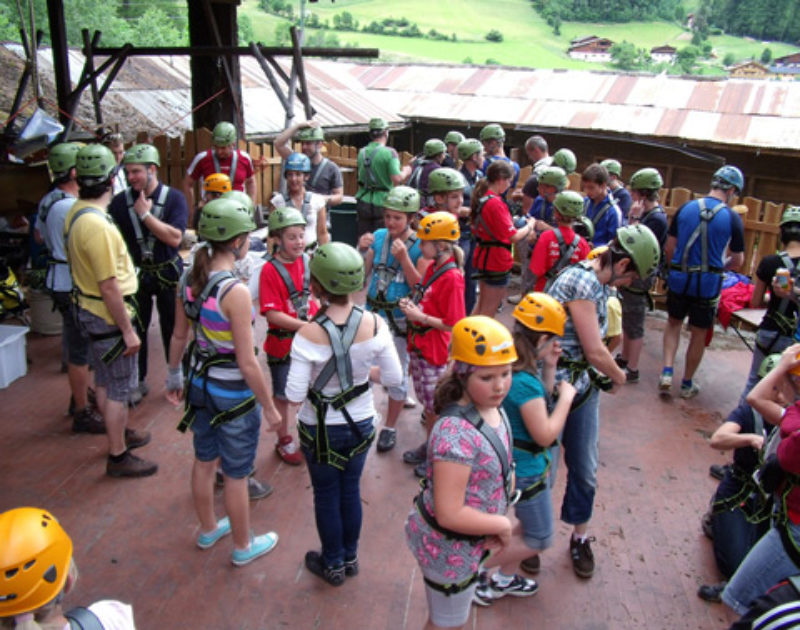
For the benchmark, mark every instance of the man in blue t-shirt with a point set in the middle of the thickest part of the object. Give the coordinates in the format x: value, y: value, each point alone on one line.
x: 600, y: 207
x: 617, y: 187
x: 695, y: 283
x: 152, y: 218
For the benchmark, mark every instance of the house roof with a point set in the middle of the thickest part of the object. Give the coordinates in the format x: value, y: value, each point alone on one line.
x: 664, y: 49
x: 724, y: 111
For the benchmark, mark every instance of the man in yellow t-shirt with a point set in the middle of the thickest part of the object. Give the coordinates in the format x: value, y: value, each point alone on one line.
x: 104, y: 276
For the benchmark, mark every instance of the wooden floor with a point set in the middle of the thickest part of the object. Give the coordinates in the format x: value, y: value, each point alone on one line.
x: 134, y: 539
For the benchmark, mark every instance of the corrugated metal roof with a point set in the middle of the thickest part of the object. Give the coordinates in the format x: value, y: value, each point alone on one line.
x: 758, y: 113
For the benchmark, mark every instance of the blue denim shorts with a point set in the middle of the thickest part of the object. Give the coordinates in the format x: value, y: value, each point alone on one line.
x: 495, y: 279
x: 234, y: 442
x: 536, y: 515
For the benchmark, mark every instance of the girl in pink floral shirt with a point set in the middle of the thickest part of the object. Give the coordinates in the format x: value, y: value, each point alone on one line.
x: 460, y: 514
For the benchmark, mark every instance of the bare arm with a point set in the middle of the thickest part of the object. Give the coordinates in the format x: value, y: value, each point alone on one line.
x: 236, y: 307
x: 322, y: 227
x: 335, y: 198
x: 112, y: 298
x: 728, y: 437
x: 544, y: 428
x: 669, y: 248
x: 735, y: 261
x: 283, y: 320
x: 188, y: 191
x: 524, y: 232
x: 403, y: 176
x: 283, y: 140
x: 764, y: 396
x: 584, y: 317
x: 250, y: 187
x: 180, y: 334
x: 759, y: 290
x: 449, y: 491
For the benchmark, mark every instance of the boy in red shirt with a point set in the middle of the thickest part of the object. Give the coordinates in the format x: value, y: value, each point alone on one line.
x: 285, y: 300
x: 561, y: 246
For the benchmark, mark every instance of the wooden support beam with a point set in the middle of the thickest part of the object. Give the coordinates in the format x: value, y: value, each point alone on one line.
x: 89, y: 45
x: 58, y: 40
x: 270, y: 77
x: 282, y: 74
x: 23, y: 83
x: 226, y: 66
x: 301, y: 73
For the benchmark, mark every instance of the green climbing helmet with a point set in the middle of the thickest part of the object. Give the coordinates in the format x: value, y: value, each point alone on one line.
x: 646, y: 179
x: 642, y: 246
x: 62, y: 157
x: 378, y: 124
x: 142, y: 154
x: 433, y: 147
x: 310, y: 134
x: 224, y: 134
x: 469, y: 147
x: 240, y: 197
x: 492, y: 131
x: 454, y: 137
x: 224, y: 219
x: 338, y: 267
x: 445, y: 180
x: 403, y: 199
x: 613, y: 167
x: 95, y: 164
x: 584, y: 226
x: 565, y: 159
x: 791, y: 215
x: 554, y: 176
x: 569, y: 204
x: 284, y: 217
x: 768, y: 364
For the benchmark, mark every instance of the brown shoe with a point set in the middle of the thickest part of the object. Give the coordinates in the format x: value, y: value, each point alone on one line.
x: 531, y: 565
x: 582, y: 556
x: 136, y: 439
x: 88, y: 421
x: 131, y: 466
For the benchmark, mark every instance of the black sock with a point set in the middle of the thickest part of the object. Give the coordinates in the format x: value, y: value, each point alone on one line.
x: 118, y: 458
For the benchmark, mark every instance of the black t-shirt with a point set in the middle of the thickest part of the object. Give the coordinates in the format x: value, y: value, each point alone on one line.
x: 745, y: 458
x: 656, y: 220
x: 766, y: 272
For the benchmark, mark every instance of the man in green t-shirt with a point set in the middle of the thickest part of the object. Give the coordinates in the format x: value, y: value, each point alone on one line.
x: 378, y: 172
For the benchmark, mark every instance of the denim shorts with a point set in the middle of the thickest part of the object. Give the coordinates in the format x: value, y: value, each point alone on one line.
x: 280, y: 374
x: 234, y: 442
x: 121, y: 376
x: 536, y: 514
x: 496, y: 279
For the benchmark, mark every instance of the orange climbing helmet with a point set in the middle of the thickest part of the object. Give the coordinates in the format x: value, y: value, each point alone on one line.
x: 542, y: 313
x: 439, y: 226
x: 217, y: 183
x: 482, y: 341
x: 35, y: 554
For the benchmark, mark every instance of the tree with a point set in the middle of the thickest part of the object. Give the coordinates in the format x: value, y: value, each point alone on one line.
x: 245, y: 30
x: 729, y: 59
x: 686, y: 58
x: 494, y: 36
x: 626, y: 56
x: 766, y: 56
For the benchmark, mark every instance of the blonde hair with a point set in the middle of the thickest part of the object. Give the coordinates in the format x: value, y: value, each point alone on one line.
x: 457, y: 252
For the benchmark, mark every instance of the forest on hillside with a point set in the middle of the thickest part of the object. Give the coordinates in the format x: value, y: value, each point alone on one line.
x: 777, y: 20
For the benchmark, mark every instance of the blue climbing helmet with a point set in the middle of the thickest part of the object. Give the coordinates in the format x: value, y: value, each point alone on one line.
x: 298, y: 162
x: 728, y: 177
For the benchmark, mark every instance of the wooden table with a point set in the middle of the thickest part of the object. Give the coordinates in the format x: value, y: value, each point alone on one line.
x: 749, y: 319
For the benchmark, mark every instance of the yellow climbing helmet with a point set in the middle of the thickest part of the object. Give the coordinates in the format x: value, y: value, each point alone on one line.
x: 542, y: 313
x: 482, y: 341
x: 35, y: 554
x: 217, y: 183
x: 439, y: 226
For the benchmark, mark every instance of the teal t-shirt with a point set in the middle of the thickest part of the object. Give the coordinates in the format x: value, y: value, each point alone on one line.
x: 525, y: 387
x: 384, y: 162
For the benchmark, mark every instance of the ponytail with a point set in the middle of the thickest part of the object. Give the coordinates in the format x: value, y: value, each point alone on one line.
x: 450, y: 389
x: 456, y: 252
x: 198, y: 274
x: 478, y: 192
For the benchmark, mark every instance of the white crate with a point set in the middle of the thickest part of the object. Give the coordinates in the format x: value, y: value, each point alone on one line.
x: 12, y: 354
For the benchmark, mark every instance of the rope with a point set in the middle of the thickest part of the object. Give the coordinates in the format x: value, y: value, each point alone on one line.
x: 192, y: 111
x: 19, y: 111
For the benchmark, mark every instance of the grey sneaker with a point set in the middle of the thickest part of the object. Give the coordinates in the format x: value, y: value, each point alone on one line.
x: 665, y: 383
x: 257, y: 490
x: 690, y: 392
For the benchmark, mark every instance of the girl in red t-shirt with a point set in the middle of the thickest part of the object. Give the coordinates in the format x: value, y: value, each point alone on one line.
x: 436, y: 305
x: 287, y: 307
x: 494, y: 234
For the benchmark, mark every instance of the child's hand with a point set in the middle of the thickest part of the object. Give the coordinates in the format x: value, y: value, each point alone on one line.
x: 789, y: 358
x: 566, y: 390
x: 366, y: 241
x: 757, y: 441
x: 398, y: 250
x: 550, y: 357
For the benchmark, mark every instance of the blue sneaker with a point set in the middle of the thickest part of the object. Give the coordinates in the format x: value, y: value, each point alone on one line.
x: 206, y: 541
x: 259, y: 545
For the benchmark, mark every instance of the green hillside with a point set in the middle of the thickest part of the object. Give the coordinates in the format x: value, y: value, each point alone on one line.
x: 527, y: 39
